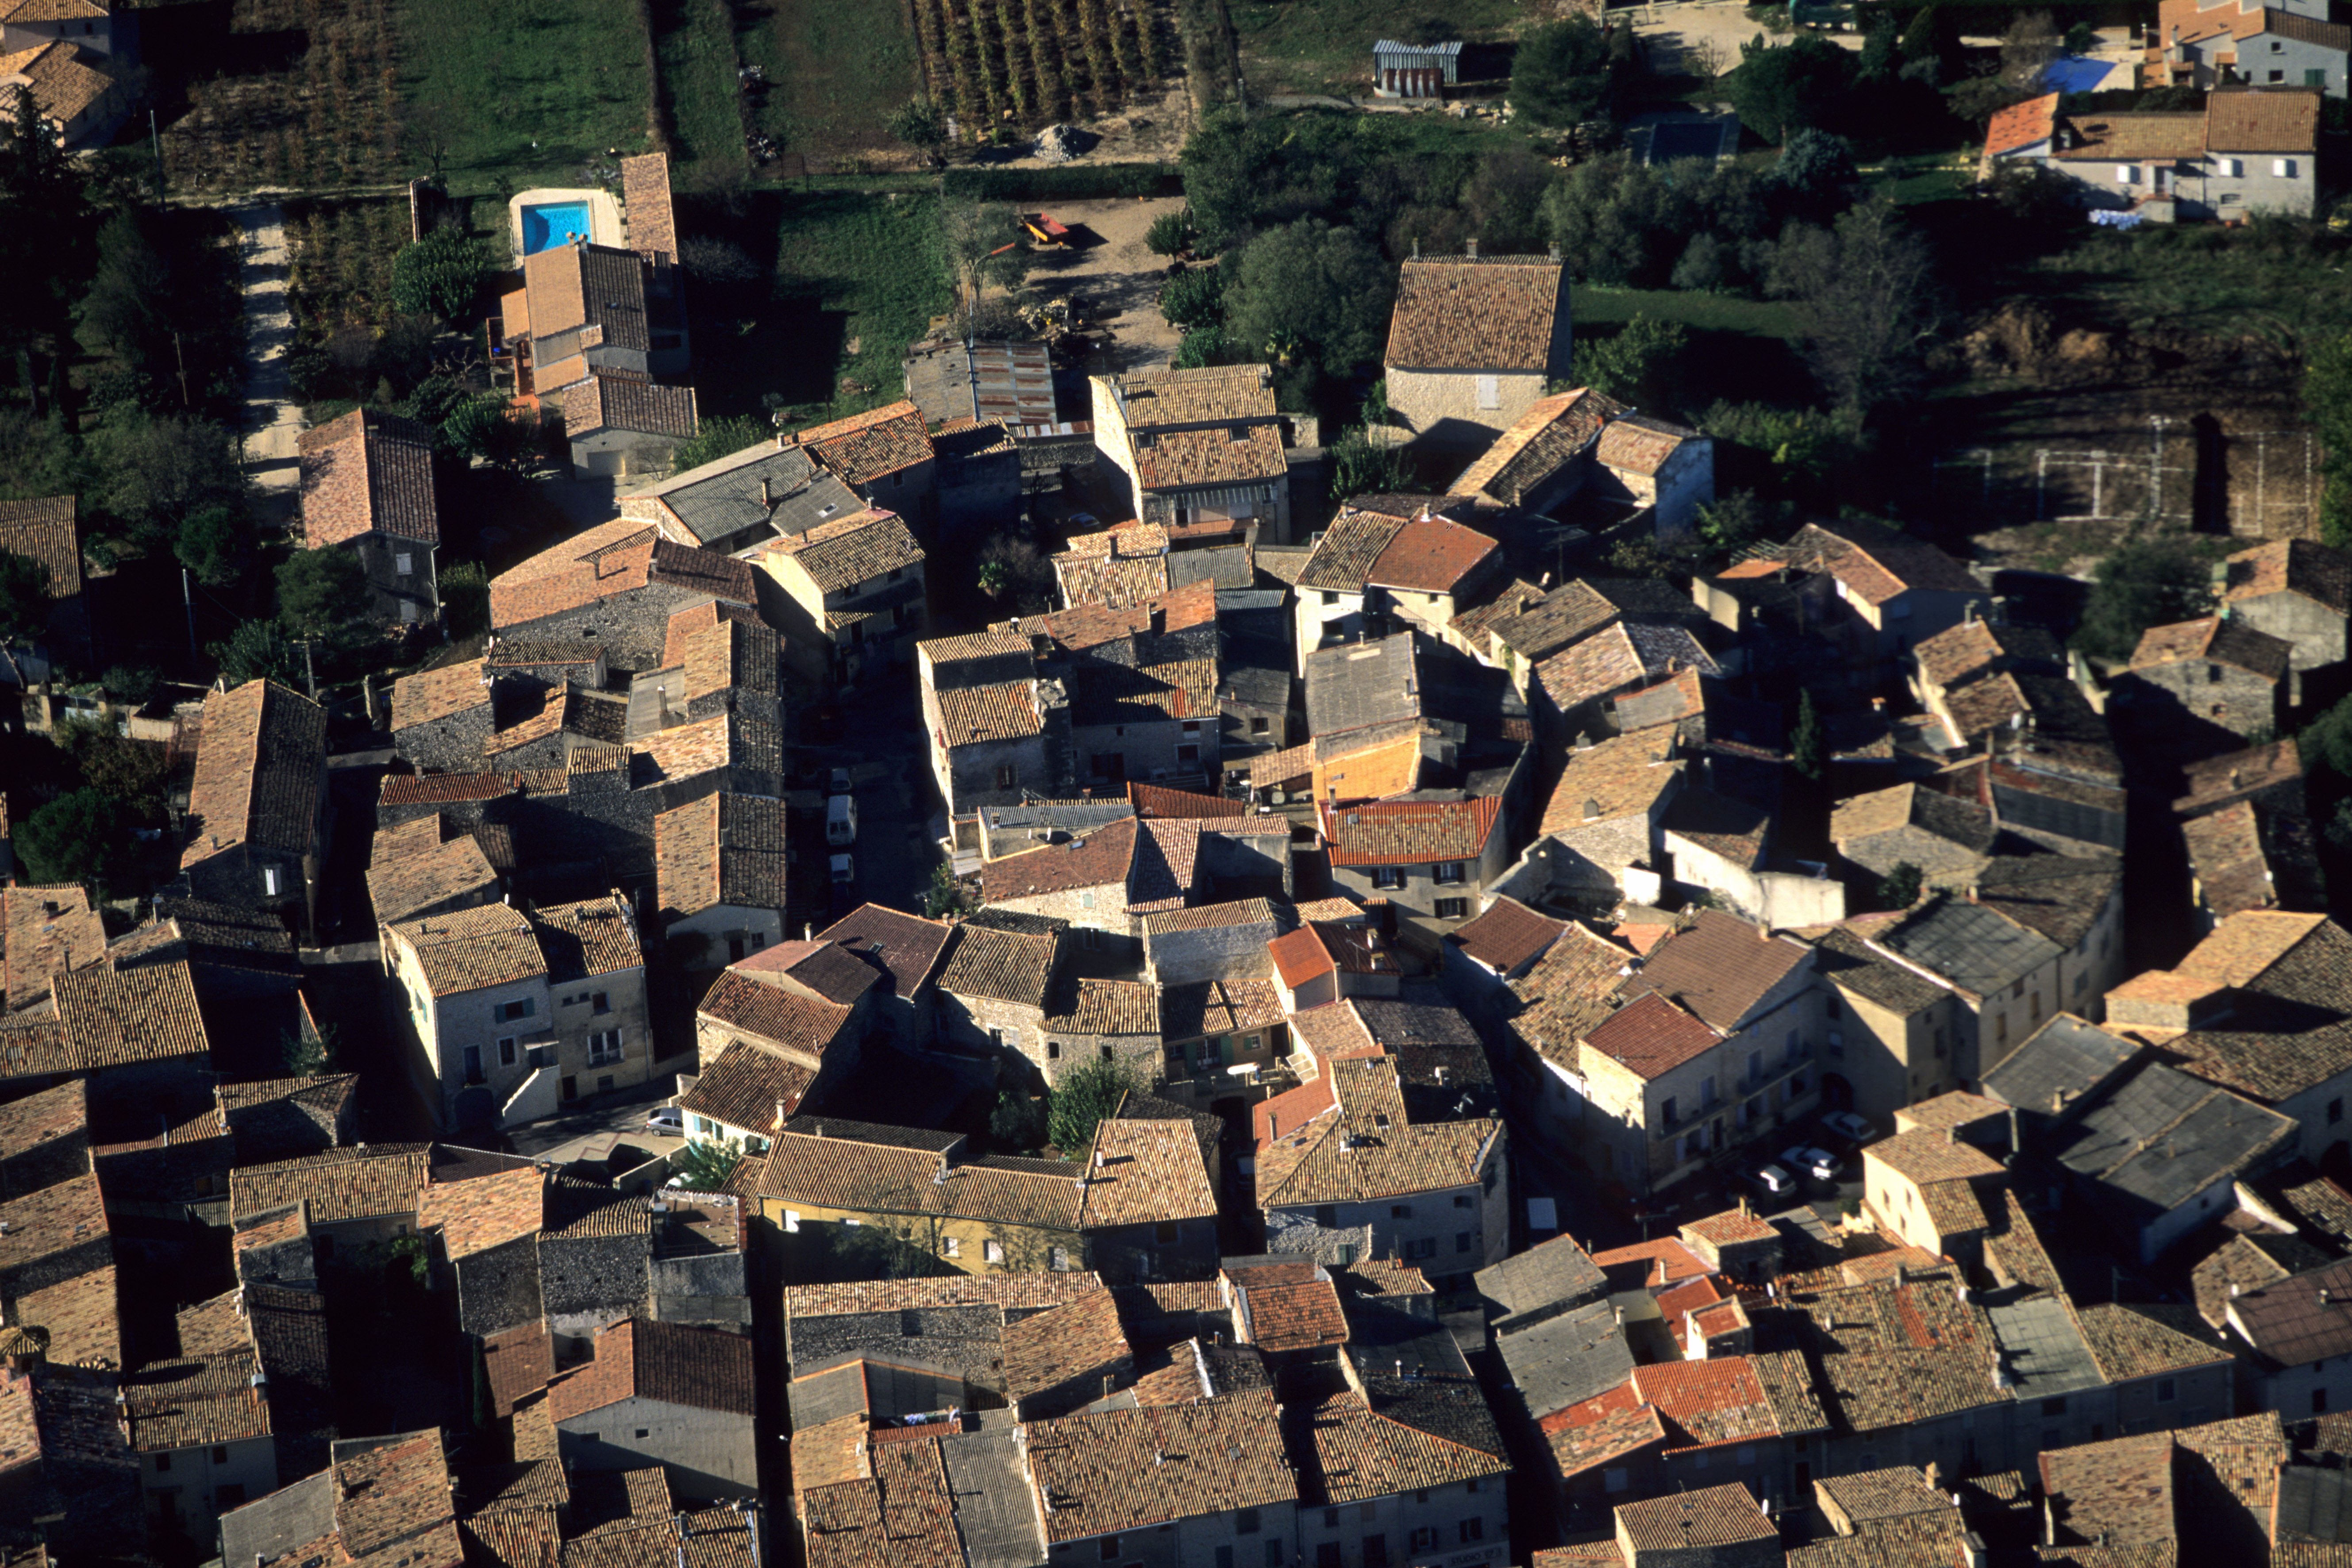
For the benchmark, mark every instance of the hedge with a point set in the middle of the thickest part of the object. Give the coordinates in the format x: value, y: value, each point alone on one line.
x: 1073, y: 182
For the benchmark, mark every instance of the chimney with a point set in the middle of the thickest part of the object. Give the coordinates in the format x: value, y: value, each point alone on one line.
x: 1470, y: 248
x: 767, y: 496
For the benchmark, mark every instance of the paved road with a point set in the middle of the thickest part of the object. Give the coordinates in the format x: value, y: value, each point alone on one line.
x: 271, y: 421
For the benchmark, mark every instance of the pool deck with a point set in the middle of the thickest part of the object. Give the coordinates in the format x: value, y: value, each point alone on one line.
x: 603, y: 215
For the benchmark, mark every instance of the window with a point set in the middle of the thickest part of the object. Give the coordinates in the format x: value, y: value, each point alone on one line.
x: 603, y: 1048
x: 1061, y: 1260
x: 506, y: 1050
x: 993, y: 1251
x: 1347, y: 1253
x: 1275, y: 1555
x: 1667, y: 1112
x: 1461, y: 1240
x: 1452, y: 909
x: 1327, y: 1554
x: 1463, y: 1201
x: 269, y: 880
x: 2125, y: 174
x: 1388, y: 878
x: 2016, y: 991
x: 1257, y: 726
x: 408, y: 609
x: 2053, y: 1406
x: 602, y: 1002
x: 1110, y: 1548
x: 474, y: 1064
x: 2232, y: 168
x: 1447, y: 874
x: 2283, y: 168
x: 2278, y: 45
x: 592, y: 1437
x: 1400, y: 1211
x: 2166, y: 1391
x: 1107, y: 1054
x: 162, y: 1461
x: 1245, y: 1521
x: 1424, y: 1247
x: 1003, y: 777
x: 2275, y: 79
x: 1085, y: 900
x: 1423, y: 1540
x: 950, y: 1247
x: 1472, y: 1530
x: 645, y: 1432
x: 403, y: 564
x: 1376, y: 1548
x: 1615, y: 1480
x: 1490, y: 391
x: 1189, y: 752
x: 507, y: 1012
x: 2319, y: 1402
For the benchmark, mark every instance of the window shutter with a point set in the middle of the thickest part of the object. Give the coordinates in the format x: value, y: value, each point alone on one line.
x: 2126, y: 174
x: 2282, y: 167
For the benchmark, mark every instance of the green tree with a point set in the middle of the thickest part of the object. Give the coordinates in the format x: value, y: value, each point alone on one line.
x: 1205, y: 346
x: 160, y: 470
x: 1194, y: 298
x: 321, y: 593
x: 1311, y: 290
x: 1805, y: 743
x: 465, y: 599
x: 45, y: 231
x: 920, y: 122
x: 2149, y: 582
x: 257, y: 651
x: 982, y: 245
x: 131, y: 685
x: 1563, y: 74
x: 134, y: 772
x: 308, y: 1053
x: 945, y: 895
x: 1899, y: 888
x: 719, y: 438
x: 704, y: 1165
x: 1362, y: 467
x: 24, y: 598
x: 82, y: 837
x: 1171, y: 233
x: 1086, y: 1094
x: 1017, y: 1123
x: 1733, y: 521
x: 2327, y: 401
x: 1814, y: 172
x: 136, y: 300
x: 213, y: 544
x: 1641, y: 363
x: 992, y: 576
x: 2324, y: 745
x: 1779, y: 89
x: 440, y: 275
x: 1870, y: 297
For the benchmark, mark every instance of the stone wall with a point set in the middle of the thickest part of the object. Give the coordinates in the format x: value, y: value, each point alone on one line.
x: 1442, y: 407
x: 498, y: 1287
x: 592, y: 1279
x: 1210, y: 953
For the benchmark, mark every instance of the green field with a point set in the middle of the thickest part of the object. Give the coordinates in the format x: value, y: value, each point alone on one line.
x: 1699, y: 311
x: 528, y: 91
x: 834, y: 71
x: 695, y: 44
x: 1326, y: 46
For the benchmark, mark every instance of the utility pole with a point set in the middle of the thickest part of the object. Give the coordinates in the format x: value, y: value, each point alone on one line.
x: 309, y: 670
x: 180, y: 348
x: 188, y: 602
x: 155, y: 138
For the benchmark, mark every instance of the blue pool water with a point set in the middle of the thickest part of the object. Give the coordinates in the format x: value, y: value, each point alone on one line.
x: 544, y: 228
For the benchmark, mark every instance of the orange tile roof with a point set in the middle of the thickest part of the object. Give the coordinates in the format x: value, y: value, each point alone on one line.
x: 1431, y: 555
x: 1651, y: 1036
x: 866, y: 447
x: 2251, y: 120
x: 675, y: 1363
x: 46, y: 530
x: 260, y: 767
x: 1475, y: 313
x: 2021, y: 125
x: 367, y: 472
x: 1401, y: 832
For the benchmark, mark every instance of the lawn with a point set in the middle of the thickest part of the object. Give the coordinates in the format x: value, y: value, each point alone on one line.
x: 694, y: 43
x: 1326, y: 46
x: 857, y: 277
x: 2270, y: 282
x: 527, y: 91
x: 833, y: 70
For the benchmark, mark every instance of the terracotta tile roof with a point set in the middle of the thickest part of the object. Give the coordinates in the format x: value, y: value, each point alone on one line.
x: 336, y: 1185
x: 1149, y: 693
x: 841, y: 555
x: 1552, y: 434
x: 1508, y: 935
x: 1214, y: 394
x: 2216, y: 641
x: 1718, y: 967
x: 1718, y: 1517
x: 2021, y: 125
x: 902, y: 1515
x: 1732, y: 829
x: 684, y: 628
x: 1086, y: 626
x: 1158, y: 801
x: 2227, y: 857
x: 470, y: 949
x: 831, y: 971
x: 609, y: 402
x: 46, y: 530
x: 44, y: 930
x: 1401, y: 832
x: 198, y: 1402
x: 429, y: 696
x: 593, y: 286
x: 1007, y: 1292
x: 1127, y: 1470
x: 1731, y: 1227
x: 484, y: 1212
x: 1349, y: 549
x: 905, y: 947
x: 2216, y: 780
x: 1113, y: 582
x: 1218, y: 1007
x: 1637, y: 444
x: 1879, y: 563
x: 2303, y: 567
x: 1717, y: 1400
x: 1476, y: 313
x: 1569, y: 993
x: 897, y: 1170
x: 1432, y: 555
x: 675, y: 1363
x: 2250, y: 120
x: 410, y: 867
x: 1047, y: 1349
x: 794, y: 1022
x: 1619, y: 655
x: 1144, y: 1172
x: 367, y: 472
x: 612, y: 557
x: 1651, y: 1036
x: 63, y: 79
x: 1097, y: 859
x: 259, y: 771
x: 973, y: 714
x: 1616, y: 778
x: 866, y: 447
x: 107, y: 1017
x: 1366, y: 1148
x: 1930, y: 1154
x: 645, y: 197
x: 1106, y: 1007
x: 723, y: 849
x: 1003, y: 965
x: 749, y: 1088
x: 2129, y: 1343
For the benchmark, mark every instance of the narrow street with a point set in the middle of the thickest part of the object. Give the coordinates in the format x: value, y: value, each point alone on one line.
x: 272, y: 421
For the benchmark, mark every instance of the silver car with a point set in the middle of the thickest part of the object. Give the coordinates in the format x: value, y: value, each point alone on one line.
x: 1819, y: 1164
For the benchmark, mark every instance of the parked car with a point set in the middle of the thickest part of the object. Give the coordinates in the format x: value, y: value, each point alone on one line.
x: 670, y: 1120
x: 841, y: 819
x: 1845, y: 1124
x: 1819, y: 1164
x: 836, y: 782
x: 1772, y: 1181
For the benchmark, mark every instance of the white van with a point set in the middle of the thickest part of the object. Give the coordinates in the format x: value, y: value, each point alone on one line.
x: 841, y: 819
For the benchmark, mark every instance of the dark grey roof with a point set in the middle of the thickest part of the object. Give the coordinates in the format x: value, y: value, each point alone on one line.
x: 1352, y: 685
x: 2064, y: 1054
x: 269, y: 1527
x: 995, y: 1508
x: 1543, y: 1281
x: 1847, y: 961
x: 2043, y: 1348
x: 2313, y: 1503
x: 887, y: 1390
x: 1560, y: 1360
x: 1070, y: 816
x: 1412, y: 1372
x: 1969, y: 945
x: 1016, y: 922
x: 2160, y: 1137
x: 724, y: 499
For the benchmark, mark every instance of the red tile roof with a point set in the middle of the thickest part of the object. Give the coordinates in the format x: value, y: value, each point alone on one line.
x: 1431, y: 555
x: 367, y: 472
x: 1650, y: 1036
x: 866, y: 447
x: 1402, y: 833
x: 2021, y: 125
x: 676, y: 1363
x: 1475, y: 313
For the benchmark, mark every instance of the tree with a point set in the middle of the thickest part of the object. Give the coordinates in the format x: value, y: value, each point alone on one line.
x: 440, y: 275
x: 1805, y: 744
x: 1802, y: 83
x: 321, y: 593
x: 1735, y: 521
x: 2327, y: 401
x: 1016, y: 1124
x: 308, y: 1053
x: 257, y: 650
x: 213, y: 544
x: 24, y: 598
x: 1563, y: 74
x: 1899, y: 888
x: 465, y: 599
x: 82, y: 837
x: 1362, y: 466
x: 134, y: 772
x: 1027, y: 576
x: 1086, y: 1094
x: 1640, y: 363
x: 45, y: 229
x: 1816, y: 172
x: 719, y: 438
x: 1205, y: 346
x: 704, y: 1166
x: 1171, y: 233
x: 1503, y: 200
x: 2028, y: 50
x: 982, y: 246
x: 1194, y: 298
x: 992, y: 576
x: 1870, y: 297
x: 2156, y: 581
x: 920, y: 123
x: 131, y: 685
x: 160, y: 470
x: 945, y: 895
x: 1311, y: 292
x: 133, y: 301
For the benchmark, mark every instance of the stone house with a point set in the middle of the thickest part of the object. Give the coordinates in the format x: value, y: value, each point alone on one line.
x: 201, y: 1431
x: 414, y: 871
x: 1185, y: 446
x: 29, y: 25
x: 1434, y: 858
x: 1132, y: 1485
x: 1949, y: 839
x: 998, y: 731
x: 617, y: 586
x: 2005, y: 976
x: 884, y: 456
x: 1210, y: 1028
x: 995, y: 987
x: 1151, y: 1206
x: 2245, y: 44
x: 1472, y: 342
x: 442, y: 719
x: 257, y: 806
x: 618, y: 425
x: 852, y: 588
x: 73, y: 84
x: 2211, y: 684
x: 1372, y: 568
x: 904, y: 951
x: 1116, y: 568
x: 48, y: 530
x: 741, y: 502
x: 1099, y: 1020
x: 801, y: 1001
x: 1090, y: 883
x: 1598, y: 836
x: 1158, y: 721
x: 1880, y: 592
x: 367, y: 486
x: 1323, y: 961
x: 1213, y: 942
x: 1482, y: 955
x: 1438, y: 1198
x: 1570, y: 693
x: 2251, y: 151
x: 1545, y: 457
x: 509, y: 1017
x: 719, y: 874
x: 671, y: 1394
x: 1932, y: 1191
x: 1889, y: 1034
x: 2299, y: 592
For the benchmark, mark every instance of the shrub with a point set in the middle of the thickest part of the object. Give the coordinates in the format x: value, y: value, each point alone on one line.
x: 440, y: 275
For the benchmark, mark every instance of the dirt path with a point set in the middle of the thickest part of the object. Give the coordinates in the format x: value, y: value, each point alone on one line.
x: 271, y: 423
x: 1117, y: 281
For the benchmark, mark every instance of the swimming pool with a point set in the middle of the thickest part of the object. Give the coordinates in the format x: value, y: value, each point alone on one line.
x: 544, y: 228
